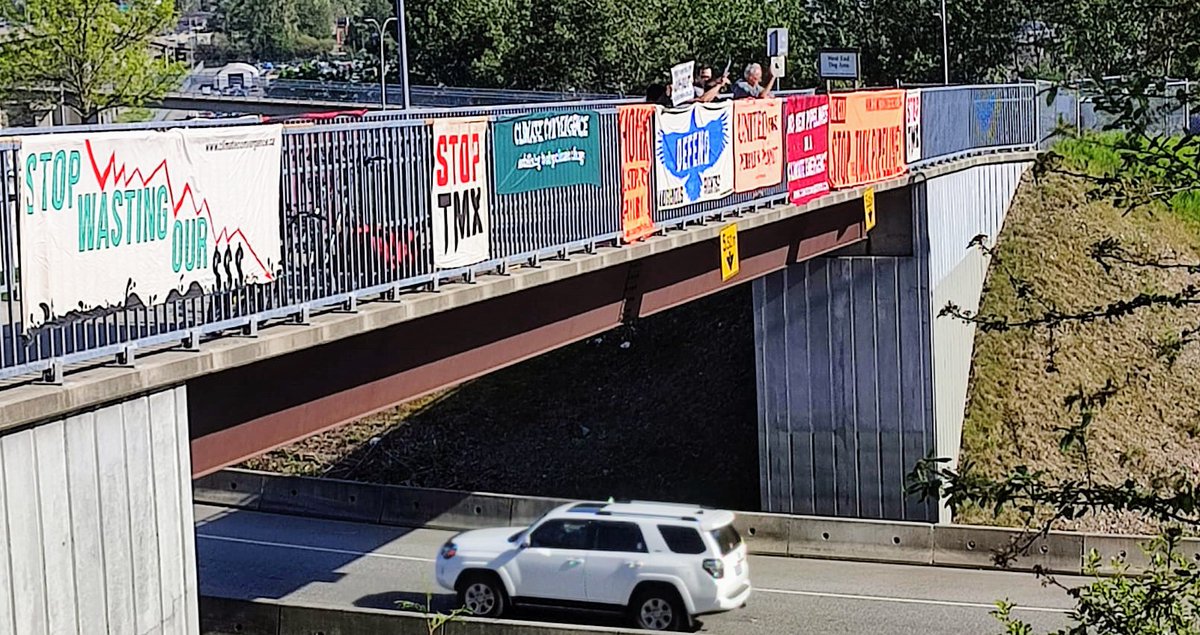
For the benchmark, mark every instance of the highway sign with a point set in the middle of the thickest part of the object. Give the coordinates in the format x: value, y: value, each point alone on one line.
x: 869, y: 208
x: 729, y: 252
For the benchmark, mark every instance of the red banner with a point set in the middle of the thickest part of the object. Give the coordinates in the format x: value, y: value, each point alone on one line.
x: 807, y: 147
x: 636, y: 135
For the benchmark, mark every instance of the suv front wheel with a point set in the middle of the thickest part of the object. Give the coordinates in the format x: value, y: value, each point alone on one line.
x: 658, y: 608
x: 483, y: 595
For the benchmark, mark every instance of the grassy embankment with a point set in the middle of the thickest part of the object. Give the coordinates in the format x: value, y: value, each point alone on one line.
x: 1016, y: 405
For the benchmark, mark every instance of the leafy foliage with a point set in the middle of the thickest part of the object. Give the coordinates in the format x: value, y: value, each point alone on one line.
x: 96, y: 52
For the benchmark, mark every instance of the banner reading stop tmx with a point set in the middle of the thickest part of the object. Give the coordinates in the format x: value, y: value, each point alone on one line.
x: 540, y: 151
x: 758, y: 147
x: 637, y: 128
x: 109, y: 216
x: 866, y: 137
x: 695, y: 154
x: 461, y: 227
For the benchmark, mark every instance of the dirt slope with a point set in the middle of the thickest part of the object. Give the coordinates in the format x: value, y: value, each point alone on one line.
x: 661, y: 410
x: 1016, y: 401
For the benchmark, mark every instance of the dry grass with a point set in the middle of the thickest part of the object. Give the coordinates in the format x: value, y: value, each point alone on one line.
x: 1016, y: 403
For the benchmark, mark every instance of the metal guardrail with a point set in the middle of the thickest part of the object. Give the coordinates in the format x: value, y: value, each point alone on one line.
x: 356, y: 212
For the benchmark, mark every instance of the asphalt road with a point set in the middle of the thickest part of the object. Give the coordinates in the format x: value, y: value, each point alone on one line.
x: 248, y: 555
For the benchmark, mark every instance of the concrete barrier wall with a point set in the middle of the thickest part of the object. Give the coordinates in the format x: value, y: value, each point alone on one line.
x: 765, y: 534
x: 220, y: 616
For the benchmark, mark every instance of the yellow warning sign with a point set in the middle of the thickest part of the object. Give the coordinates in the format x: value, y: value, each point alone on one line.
x: 869, y: 208
x: 729, y: 252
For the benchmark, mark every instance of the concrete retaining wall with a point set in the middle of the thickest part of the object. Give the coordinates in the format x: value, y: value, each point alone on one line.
x: 220, y: 616
x: 765, y: 534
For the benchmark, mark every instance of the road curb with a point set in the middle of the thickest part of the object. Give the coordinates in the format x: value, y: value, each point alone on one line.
x: 224, y: 616
x: 959, y: 546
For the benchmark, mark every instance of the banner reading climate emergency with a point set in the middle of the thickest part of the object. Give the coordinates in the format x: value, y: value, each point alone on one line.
x: 758, y: 150
x: 808, y: 145
x: 539, y: 151
x: 636, y: 129
x: 695, y: 154
x: 866, y: 140
x: 109, y: 216
x: 461, y: 226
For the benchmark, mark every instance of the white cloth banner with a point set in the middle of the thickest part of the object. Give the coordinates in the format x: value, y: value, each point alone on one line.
x: 109, y: 216
x: 694, y: 146
x: 912, y: 125
x: 461, y: 227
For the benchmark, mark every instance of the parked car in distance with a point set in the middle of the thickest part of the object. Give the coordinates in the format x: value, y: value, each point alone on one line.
x: 662, y: 564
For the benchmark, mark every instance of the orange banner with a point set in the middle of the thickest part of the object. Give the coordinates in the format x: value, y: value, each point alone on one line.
x: 636, y: 135
x: 758, y: 148
x: 866, y: 137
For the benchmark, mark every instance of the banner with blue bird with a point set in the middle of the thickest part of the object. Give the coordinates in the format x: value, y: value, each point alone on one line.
x: 694, y: 147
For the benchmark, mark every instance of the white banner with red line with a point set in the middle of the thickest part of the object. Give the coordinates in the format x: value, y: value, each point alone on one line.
x: 110, y: 219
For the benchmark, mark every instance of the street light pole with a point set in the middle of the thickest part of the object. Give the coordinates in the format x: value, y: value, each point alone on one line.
x: 945, y: 45
x: 381, y: 31
x: 404, y: 53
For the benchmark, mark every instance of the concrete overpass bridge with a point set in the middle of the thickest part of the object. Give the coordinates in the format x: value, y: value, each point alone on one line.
x: 410, y: 255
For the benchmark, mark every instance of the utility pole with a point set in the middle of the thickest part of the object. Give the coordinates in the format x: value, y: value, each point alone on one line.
x: 404, y: 53
x: 381, y: 31
x: 945, y: 45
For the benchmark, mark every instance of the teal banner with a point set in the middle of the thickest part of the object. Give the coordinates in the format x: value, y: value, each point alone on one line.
x: 535, y: 152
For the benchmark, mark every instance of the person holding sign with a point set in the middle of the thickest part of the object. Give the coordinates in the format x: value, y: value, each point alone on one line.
x: 752, y: 87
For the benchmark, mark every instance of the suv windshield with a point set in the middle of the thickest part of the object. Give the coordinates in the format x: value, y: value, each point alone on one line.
x: 727, y: 539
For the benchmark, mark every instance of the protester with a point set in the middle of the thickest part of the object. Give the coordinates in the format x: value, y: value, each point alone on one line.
x: 708, y: 89
x: 659, y: 94
x: 752, y: 87
x: 703, y: 81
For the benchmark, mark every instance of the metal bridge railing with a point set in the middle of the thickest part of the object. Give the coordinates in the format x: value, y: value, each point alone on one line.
x: 356, y: 214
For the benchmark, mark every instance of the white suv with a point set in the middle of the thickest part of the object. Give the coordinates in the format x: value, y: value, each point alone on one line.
x: 662, y: 563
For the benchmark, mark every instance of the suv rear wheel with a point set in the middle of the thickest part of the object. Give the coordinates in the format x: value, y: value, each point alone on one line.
x: 658, y: 608
x: 482, y: 595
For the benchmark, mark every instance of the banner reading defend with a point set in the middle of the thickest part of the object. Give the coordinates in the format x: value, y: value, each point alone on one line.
x: 758, y: 143
x: 461, y: 227
x: 808, y: 147
x: 866, y: 137
x: 111, y: 216
x: 637, y: 129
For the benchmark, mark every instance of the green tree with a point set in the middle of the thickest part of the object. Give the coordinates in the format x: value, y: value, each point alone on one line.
x: 1146, y: 168
x: 96, y: 52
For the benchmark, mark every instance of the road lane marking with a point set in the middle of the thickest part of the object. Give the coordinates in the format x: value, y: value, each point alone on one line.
x: 284, y: 545
x: 879, y: 598
x: 821, y: 594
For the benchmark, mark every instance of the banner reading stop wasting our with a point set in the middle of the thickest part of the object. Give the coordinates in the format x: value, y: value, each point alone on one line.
x: 461, y: 226
x: 808, y: 145
x: 109, y: 218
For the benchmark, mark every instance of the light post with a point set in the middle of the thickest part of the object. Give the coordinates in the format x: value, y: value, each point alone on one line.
x: 945, y: 45
x: 381, y: 31
x: 404, y: 53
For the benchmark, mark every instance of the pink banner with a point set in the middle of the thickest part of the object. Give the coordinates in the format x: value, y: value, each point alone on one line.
x: 808, y: 147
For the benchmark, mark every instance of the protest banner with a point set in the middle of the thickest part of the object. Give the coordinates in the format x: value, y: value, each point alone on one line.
x: 636, y: 123
x: 681, y: 83
x: 808, y: 146
x: 461, y: 226
x: 912, y: 126
x: 695, y: 154
x: 546, y: 150
x: 758, y: 144
x: 866, y: 137
x: 106, y: 217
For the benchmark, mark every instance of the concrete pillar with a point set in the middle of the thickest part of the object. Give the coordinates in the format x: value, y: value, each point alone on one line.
x: 96, y: 522
x: 858, y: 378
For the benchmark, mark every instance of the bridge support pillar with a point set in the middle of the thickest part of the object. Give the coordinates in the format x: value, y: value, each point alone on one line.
x: 858, y: 378
x: 96, y: 523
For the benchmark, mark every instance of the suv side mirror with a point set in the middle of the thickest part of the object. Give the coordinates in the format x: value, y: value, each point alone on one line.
x: 523, y: 545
